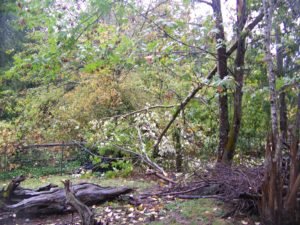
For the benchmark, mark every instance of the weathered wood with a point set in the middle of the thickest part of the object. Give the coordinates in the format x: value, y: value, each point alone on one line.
x: 86, y: 215
x: 7, y: 192
x: 53, y: 200
x: 151, y: 172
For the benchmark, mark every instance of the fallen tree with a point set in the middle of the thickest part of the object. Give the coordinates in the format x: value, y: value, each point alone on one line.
x: 52, y: 199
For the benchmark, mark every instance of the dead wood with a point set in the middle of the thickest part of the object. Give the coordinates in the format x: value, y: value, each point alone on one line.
x: 160, y: 176
x: 46, y: 187
x: 238, y: 185
x: 198, y: 196
x: 53, y: 200
x: 6, y: 193
x: 86, y: 215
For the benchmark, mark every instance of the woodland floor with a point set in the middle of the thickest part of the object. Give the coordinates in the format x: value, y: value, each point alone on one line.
x: 152, y: 210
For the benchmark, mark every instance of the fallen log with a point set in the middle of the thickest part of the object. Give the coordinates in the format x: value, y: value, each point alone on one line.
x: 49, y: 199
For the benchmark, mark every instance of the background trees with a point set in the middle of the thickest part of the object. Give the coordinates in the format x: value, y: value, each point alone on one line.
x: 106, y: 71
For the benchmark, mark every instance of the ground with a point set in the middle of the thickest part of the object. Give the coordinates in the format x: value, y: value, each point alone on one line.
x: 151, y: 210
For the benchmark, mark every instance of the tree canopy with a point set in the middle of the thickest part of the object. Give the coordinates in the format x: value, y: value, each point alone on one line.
x: 179, y: 81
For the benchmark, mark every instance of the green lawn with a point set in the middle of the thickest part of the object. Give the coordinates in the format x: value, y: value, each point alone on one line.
x: 35, y: 182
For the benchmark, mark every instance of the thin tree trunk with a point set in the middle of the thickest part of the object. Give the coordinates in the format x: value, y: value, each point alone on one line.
x: 272, y: 186
x: 280, y: 73
x: 178, y: 148
x: 239, y: 79
x: 294, y: 182
x: 222, y: 72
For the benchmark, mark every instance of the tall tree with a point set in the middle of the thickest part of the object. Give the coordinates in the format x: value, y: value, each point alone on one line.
x: 272, y: 186
x: 222, y: 72
x: 280, y: 74
x: 239, y: 80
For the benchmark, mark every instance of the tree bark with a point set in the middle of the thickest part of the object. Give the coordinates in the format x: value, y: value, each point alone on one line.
x: 294, y: 182
x: 280, y: 74
x: 222, y: 72
x: 239, y: 80
x: 7, y: 193
x: 86, y: 215
x: 178, y: 148
x: 272, y: 186
x: 195, y: 90
x: 53, y: 200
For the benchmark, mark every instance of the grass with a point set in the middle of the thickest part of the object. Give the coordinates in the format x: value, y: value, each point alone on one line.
x: 194, y: 212
x: 34, y: 182
x: 38, y: 171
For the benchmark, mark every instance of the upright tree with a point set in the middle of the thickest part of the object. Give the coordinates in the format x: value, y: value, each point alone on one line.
x: 241, y: 11
x: 222, y: 72
x: 272, y: 186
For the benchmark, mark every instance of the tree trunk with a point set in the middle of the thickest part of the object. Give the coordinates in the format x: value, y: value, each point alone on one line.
x: 178, y: 148
x: 272, y: 186
x: 222, y: 72
x: 239, y: 79
x: 294, y: 182
x: 280, y: 74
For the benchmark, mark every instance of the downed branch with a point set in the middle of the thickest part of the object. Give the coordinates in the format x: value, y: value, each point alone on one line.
x: 151, y: 172
x: 238, y: 185
x: 142, y: 156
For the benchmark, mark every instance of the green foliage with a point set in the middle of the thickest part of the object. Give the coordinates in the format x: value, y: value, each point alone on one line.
x: 121, y: 168
x: 36, y: 172
x: 84, y: 62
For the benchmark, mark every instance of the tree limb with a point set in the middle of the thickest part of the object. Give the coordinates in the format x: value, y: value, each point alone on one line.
x: 140, y: 110
x: 48, y: 145
x: 191, y: 95
x: 205, y: 2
